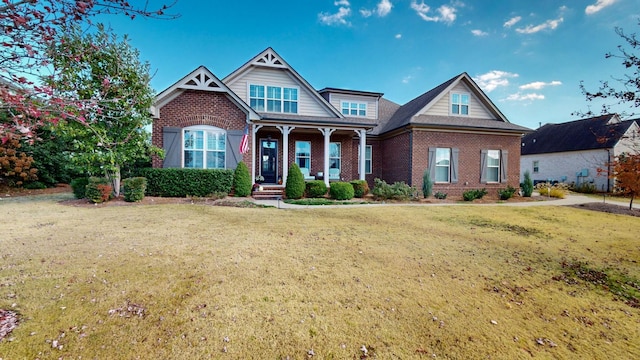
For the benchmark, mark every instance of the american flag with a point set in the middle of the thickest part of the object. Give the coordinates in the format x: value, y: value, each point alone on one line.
x: 244, y: 143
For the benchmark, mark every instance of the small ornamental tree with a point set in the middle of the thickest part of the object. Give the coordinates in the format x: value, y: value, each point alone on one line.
x: 427, y: 184
x: 626, y: 172
x: 294, y: 189
x: 241, y: 180
x: 527, y: 185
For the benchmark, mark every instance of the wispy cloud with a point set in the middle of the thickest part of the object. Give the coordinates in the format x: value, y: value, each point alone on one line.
x: 407, y: 79
x: 384, y: 8
x: 537, y: 85
x: 494, y: 79
x: 524, y: 97
x: 479, y: 33
x: 339, y: 18
x: 532, y: 29
x: 512, y: 21
x: 366, y: 13
x: 398, y: 36
x: 445, y: 13
x: 599, y: 5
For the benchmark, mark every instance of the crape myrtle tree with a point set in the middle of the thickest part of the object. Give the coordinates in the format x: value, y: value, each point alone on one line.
x: 99, y: 69
x: 28, y: 29
x: 625, y: 168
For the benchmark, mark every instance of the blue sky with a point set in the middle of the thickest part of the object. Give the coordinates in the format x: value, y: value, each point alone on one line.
x: 528, y: 56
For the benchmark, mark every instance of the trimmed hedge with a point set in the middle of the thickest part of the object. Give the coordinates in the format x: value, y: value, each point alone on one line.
x: 134, y: 188
x: 473, y: 194
x: 316, y: 188
x: 169, y: 182
x: 241, y: 181
x: 79, y: 187
x: 294, y: 189
x: 360, y: 188
x: 98, y: 190
x: 341, y: 190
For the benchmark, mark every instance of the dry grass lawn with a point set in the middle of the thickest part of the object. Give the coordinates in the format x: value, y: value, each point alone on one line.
x: 201, y: 282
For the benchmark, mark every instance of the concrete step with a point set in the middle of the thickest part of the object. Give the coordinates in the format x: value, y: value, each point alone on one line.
x: 269, y: 193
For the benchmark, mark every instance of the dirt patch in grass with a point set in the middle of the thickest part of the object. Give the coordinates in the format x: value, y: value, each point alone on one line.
x: 609, y: 208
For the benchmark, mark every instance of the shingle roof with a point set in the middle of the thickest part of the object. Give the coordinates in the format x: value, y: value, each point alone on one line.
x: 324, y: 120
x: 585, y: 134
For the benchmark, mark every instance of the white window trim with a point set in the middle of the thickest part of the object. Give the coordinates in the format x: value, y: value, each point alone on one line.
x: 535, y: 166
x: 282, y: 100
x: 300, y: 157
x: 370, y: 160
x: 451, y: 103
x: 448, y: 167
x: 349, y: 106
x: 339, y: 157
x: 206, y: 129
x: 497, y: 167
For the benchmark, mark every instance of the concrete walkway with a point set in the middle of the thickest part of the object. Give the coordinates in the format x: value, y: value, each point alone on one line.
x: 570, y: 199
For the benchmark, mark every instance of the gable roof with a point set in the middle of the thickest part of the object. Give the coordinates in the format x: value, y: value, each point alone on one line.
x: 599, y: 132
x: 409, y: 113
x: 199, y: 79
x: 271, y: 59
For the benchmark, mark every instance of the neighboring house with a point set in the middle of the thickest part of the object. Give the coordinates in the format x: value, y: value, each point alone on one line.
x: 572, y: 152
x: 335, y: 134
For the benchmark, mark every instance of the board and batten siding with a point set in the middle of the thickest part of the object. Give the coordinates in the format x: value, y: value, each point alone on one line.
x: 372, y: 104
x: 476, y: 109
x: 307, y: 102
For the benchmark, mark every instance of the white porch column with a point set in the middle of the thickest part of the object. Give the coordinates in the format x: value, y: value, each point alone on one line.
x: 285, y: 130
x: 254, y: 131
x: 327, y: 139
x: 363, y: 148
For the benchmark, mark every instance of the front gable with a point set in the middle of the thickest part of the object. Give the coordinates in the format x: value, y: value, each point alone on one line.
x: 269, y: 71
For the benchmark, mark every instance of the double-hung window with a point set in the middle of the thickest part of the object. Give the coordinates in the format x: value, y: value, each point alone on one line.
x: 459, y: 104
x: 353, y: 108
x: 493, y: 166
x: 443, y: 165
x: 368, y: 163
x: 536, y: 166
x: 204, y: 147
x: 303, y: 155
x: 273, y: 99
x: 335, y: 157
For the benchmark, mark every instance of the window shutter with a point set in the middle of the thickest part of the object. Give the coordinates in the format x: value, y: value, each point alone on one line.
x: 233, y: 148
x: 483, y: 166
x: 171, y: 143
x: 432, y: 163
x: 504, y: 160
x: 454, y: 165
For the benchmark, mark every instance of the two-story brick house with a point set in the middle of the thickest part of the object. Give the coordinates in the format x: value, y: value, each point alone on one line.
x: 453, y: 130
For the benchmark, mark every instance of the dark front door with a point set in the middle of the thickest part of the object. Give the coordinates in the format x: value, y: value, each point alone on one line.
x: 269, y: 160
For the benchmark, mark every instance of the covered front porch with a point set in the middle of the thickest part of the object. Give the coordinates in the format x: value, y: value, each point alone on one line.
x: 328, y: 153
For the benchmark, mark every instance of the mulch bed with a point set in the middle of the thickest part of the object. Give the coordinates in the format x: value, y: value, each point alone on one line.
x: 609, y: 208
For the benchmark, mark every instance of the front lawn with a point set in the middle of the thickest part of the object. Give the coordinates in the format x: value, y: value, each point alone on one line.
x: 191, y: 281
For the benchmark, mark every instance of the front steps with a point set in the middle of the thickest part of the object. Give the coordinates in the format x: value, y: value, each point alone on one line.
x: 269, y: 192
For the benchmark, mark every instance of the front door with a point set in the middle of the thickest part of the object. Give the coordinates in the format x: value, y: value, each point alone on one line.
x: 269, y: 160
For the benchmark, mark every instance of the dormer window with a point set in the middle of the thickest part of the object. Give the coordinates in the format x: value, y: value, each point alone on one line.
x: 459, y: 104
x: 275, y: 98
x: 353, y: 108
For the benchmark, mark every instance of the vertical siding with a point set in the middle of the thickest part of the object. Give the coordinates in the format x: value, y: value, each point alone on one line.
x: 476, y: 109
x: 307, y: 102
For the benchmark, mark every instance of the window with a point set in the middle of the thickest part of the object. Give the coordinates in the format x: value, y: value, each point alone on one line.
x: 303, y: 154
x: 536, y: 166
x: 354, y: 108
x: 368, y: 164
x: 335, y: 153
x: 277, y: 99
x: 443, y: 165
x: 460, y: 104
x: 493, y: 166
x: 204, y: 147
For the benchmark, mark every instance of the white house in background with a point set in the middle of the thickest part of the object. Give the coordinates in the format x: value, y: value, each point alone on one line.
x: 572, y: 152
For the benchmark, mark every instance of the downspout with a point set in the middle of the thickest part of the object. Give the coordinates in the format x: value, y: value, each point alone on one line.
x: 410, y: 158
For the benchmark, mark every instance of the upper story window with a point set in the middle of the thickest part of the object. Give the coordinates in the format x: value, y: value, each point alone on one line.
x: 459, y: 104
x: 354, y: 108
x: 273, y: 99
x: 204, y: 147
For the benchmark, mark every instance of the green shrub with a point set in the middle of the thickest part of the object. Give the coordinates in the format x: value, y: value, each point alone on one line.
x: 316, y: 188
x: 294, y: 189
x: 35, y: 185
x: 341, y: 190
x: 440, y: 195
x: 134, y: 188
x: 360, y: 188
x: 187, y: 182
x: 527, y: 185
x: 397, y: 191
x: 506, y: 194
x: 79, y: 187
x: 242, y: 180
x: 473, y: 194
x: 98, y: 190
x: 427, y: 184
x: 585, y: 188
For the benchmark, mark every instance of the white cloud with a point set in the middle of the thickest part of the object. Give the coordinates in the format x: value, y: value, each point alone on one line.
x: 366, y: 13
x: 549, y: 24
x: 338, y: 18
x: 398, y: 36
x: 407, y: 79
x: 493, y: 79
x: 512, y: 21
x: 524, y: 97
x: 537, y: 85
x: 479, y: 33
x: 344, y: 3
x: 447, y: 14
x: 599, y: 5
x: 384, y: 8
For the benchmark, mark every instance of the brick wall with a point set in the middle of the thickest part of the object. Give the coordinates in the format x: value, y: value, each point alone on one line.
x: 199, y: 108
x: 395, y: 154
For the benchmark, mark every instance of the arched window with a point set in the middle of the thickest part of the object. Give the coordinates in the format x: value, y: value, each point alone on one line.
x: 203, y: 147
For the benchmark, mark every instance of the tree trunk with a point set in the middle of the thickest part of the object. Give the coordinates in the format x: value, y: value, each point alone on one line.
x: 631, y: 203
x: 114, y: 177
